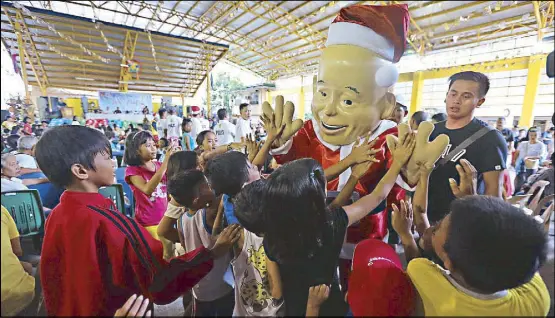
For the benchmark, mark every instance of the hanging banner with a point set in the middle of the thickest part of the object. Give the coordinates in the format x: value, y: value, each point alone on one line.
x: 130, y: 103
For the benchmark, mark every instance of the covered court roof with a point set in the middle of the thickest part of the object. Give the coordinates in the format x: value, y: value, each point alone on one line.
x: 273, y: 39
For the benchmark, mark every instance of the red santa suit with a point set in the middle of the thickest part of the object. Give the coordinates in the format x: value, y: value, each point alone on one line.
x: 307, y: 143
x: 94, y: 258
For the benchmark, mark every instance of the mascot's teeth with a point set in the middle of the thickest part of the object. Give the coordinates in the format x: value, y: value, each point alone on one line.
x: 330, y: 127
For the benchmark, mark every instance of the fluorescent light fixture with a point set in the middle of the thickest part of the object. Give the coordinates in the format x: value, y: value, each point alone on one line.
x: 162, y: 85
x: 85, y: 79
x: 125, y: 82
x: 81, y: 60
x: 124, y: 65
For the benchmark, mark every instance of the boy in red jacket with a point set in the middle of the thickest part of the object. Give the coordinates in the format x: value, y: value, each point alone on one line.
x: 93, y: 257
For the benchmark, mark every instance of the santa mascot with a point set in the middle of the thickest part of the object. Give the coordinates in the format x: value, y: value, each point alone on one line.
x: 352, y: 100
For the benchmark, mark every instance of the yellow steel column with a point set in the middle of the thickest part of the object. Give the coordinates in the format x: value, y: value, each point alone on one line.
x: 532, y: 83
x: 300, y: 113
x: 22, y: 59
x: 417, y: 88
x: 183, y: 105
x: 208, y: 99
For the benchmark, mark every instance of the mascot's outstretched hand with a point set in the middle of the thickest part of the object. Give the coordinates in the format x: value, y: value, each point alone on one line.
x: 425, y: 153
x: 283, y: 116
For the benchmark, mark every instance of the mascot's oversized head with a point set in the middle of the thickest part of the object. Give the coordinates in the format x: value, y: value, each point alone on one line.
x: 356, y: 70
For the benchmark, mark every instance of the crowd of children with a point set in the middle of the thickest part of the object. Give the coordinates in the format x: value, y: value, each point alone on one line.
x: 252, y: 246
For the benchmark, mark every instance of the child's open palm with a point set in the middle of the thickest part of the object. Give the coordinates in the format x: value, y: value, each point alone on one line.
x: 469, y: 180
x: 402, y: 220
x: 226, y: 239
x: 364, y: 151
x: 403, y: 148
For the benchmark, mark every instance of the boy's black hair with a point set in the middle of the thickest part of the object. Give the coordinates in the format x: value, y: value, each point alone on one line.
x: 419, y: 117
x: 161, y: 112
x: 243, y: 105
x: 227, y: 172
x: 61, y: 147
x: 132, y: 145
x: 25, y: 119
x: 186, y: 121
x: 183, y: 186
x: 494, y: 245
x: 439, y: 117
x: 11, y: 141
x: 477, y: 77
x: 181, y: 161
x: 247, y: 206
x: 201, y: 135
x: 165, y: 141
x: 222, y: 113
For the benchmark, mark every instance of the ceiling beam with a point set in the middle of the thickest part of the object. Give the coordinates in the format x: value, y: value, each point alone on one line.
x: 169, y: 15
x: 183, y: 16
x: 182, y: 60
x: 224, y: 14
x: 146, y: 51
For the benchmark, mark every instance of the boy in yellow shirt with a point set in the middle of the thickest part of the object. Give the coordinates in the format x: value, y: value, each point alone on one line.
x: 490, y: 250
x: 19, y: 295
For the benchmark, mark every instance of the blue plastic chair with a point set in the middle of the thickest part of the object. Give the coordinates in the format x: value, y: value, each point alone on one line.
x: 120, y: 178
x: 114, y: 192
x: 26, y: 209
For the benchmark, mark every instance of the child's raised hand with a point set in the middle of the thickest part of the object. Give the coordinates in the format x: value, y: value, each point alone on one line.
x: 402, y: 220
x: 317, y: 295
x: 403, y: 149
x: 252, y: 146
x: 134, y: 307
x: 469, y: 180
x: 364, y: 151
x: 274, y: 132
x: 226, y: 239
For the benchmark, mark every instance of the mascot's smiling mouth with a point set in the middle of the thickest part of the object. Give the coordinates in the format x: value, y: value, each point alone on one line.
x: 332, y: 127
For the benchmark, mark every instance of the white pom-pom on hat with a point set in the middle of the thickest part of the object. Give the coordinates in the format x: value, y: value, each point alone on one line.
x: 387, y: 75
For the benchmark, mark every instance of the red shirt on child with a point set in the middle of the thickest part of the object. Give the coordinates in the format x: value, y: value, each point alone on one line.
x: 94, y: 258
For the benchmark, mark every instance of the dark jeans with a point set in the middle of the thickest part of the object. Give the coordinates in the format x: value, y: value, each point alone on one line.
x: 221, y: 307
x: 521, y: 178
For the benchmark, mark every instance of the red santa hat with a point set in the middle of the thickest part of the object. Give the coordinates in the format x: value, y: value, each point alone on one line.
x: 195, y: 110
x: 380, y: 29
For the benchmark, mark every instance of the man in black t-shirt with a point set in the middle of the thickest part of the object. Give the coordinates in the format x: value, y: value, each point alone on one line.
x: 488, y: 154
x: 506, y: 132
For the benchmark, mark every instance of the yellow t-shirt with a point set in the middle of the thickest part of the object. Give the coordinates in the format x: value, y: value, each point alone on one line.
x: 18, y: 287
x: 441, y: 298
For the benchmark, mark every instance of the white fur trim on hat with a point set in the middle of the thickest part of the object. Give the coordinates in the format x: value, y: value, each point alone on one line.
x: 387, y: 75
x: 354, y: 34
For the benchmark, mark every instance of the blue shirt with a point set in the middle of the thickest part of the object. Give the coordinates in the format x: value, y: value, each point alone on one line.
x: 228, y: 211
x: 191, y: 141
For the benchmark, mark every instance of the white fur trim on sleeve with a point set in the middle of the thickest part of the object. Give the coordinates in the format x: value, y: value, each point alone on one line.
x: 354, y: 34
x: 283, y: 150
x: 400, y: 182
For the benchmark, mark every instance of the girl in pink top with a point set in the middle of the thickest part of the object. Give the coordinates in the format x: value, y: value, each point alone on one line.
x: 147, y: 179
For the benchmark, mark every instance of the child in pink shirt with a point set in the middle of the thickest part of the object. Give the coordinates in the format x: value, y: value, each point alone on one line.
x: 147, y: 179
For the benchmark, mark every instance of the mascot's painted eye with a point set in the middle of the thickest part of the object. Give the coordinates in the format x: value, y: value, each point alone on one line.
x: 323, y: 94
x: 348, y: 102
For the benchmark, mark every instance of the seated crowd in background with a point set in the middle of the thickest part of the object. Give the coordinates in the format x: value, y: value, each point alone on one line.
x: 210, y: 228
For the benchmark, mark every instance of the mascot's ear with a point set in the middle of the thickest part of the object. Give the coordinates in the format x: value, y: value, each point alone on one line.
x: 388, y: 106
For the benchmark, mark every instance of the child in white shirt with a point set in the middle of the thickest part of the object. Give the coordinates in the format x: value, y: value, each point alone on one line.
x: 212, y: 296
